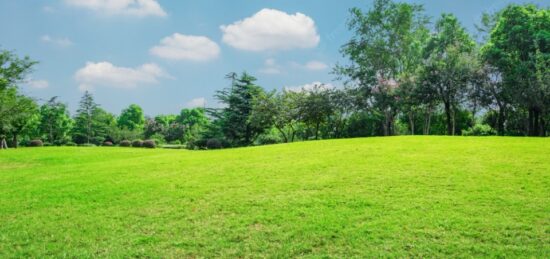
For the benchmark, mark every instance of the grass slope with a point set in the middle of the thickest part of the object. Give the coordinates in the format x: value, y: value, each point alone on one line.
x: 399, y: 196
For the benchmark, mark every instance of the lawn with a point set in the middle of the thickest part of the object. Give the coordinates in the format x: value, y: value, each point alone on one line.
x: 374, y: 197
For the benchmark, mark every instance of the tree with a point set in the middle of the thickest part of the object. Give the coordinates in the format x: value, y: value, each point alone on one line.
x: 131, y: 118
x: 448, y: 66
x: 194, y: 122
x: 519, y: 47
x: 279, y: 109
x: 55, y: 121
x: 315, y: 107
x: 12, y: 71
x: 87, y: 120
x: 381, y: 50
x: 234, y: 119
x: 25, y: 109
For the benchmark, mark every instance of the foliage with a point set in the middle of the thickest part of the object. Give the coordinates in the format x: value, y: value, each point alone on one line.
x: 149, y: 144
x: 36, y: 143
x: 125, y: 143
x: 131, y: 118
x: 55, y: 122
x: 480, y: 130
x: 137, y: 143
x: 235, y: 119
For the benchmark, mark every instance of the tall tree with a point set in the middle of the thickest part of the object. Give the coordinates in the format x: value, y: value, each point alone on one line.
x: 55, y: 121
x: 131, y: 118
x: 84, y: 120
x: 12, y: 71
x: 448, y: 66
x: 381, y: 51
x: 519, y: 47
x: 234, y: 119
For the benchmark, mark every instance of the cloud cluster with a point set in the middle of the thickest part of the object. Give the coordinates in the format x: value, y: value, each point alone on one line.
x: 196, y: 103
x: 186, y: 47
x: 270, y: 67
x: 38, y: 84
x: 271, y: 29
x: 61, y: 42
x: 107, y: 74
x: 138, y: 8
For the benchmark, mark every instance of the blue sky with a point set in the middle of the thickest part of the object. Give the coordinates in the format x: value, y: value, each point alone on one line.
x: 166, y: 55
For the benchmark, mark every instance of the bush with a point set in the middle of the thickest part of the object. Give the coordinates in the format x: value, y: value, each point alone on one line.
x: 87, y: 145
x: 269, y: 138
x: 36, y: 143
x: 149, y: 144
x: 213, y: 144
x: 70, y: 144
x: 107, y: 144
x: 137, y: 143
x: 158, y: 138
x: 125, y: 143
x: 480, y: 130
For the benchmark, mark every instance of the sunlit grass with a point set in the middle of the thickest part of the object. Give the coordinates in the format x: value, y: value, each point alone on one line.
x: 399, y: 196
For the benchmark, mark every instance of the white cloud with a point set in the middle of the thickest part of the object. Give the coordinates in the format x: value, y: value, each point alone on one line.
x: 270, y: 67
x: 109, y: 75
x: 315, y: 65
x: 271, y: 29
x: 196, y: 103
x: 186, y: 47
x: 38, y: 84
x: 61, y: 42
x: 310, y: 87
x: 138, y: 8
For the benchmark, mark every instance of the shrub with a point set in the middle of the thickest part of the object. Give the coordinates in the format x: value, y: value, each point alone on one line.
x: 107, y: 144
x: 149, y: 144
x: 125, y: 143
x: 137, y: 143
x: 480, y: 130
x: 87, y: 145
x: 268, y: 138
x: 36, y: 143
x: 158, y: 138
x: 213, y: 144
x: 70, y: 144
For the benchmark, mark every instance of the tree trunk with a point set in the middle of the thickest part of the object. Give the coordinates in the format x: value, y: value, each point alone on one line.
x: 14, y: 141
x: 411, y: 122
x: 317, y: 130
x: 3, y: 143
x: 427, y: 120
x: 449, y: 116
x: 285, y: 138
x: 500, y: 121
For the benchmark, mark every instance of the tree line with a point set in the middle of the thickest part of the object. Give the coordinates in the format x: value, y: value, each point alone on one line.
x: 404, y: 74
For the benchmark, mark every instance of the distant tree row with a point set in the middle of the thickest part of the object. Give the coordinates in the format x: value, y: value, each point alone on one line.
x: 402, y: 77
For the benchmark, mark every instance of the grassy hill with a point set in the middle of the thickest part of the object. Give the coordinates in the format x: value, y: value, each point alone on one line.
x: 398, y: 196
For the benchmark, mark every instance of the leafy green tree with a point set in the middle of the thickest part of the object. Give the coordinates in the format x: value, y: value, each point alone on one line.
x: 279, y: 109
x: 194, y: 121
x: 25, y: 109
x: 131, y: 118
x: 93, y: 124
x: 519, y: 47
x: 55, y: 122
x: 12, y: 71
x: 448, y: 66
x: 234, y: 119
x: 83, y: 132
x: 315, y: 108
x: 384, y: 47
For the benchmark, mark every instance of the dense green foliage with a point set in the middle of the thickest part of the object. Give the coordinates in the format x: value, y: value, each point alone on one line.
x: 378, y: 197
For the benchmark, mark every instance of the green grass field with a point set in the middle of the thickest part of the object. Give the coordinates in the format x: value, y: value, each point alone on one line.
x: 398, y: 196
